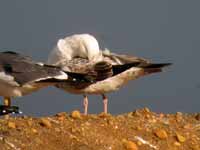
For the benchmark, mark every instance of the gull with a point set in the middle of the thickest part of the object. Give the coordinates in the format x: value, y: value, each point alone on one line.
x: 20, y: 75
x: 80, y: 53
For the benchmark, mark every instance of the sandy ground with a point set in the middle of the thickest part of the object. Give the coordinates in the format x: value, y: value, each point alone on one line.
x: 139, y: 130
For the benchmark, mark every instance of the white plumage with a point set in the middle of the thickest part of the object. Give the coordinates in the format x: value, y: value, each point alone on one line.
x: 78, y: 45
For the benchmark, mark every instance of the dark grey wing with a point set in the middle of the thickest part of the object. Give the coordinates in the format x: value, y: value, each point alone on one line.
x: 24, y: 70
x: 79, y: 81
x: 14, y: 56
x: 153, y: 67
x: 118, y: 59
x: 104, y: 70
x: 37, y: 73
x: 117, y: 69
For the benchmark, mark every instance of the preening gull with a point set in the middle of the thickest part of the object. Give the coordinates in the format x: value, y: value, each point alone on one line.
x: 20, y: 75
x: 110, y: 71
x: 78, y: 45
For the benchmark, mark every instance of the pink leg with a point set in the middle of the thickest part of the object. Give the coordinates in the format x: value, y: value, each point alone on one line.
x: 105, y: 103
x: 85, y: 104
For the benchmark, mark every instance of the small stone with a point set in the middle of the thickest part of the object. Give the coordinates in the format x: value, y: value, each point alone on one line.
x: 25, y: 117
x: 162, y: 134
x: 110, y: 122
x: 30, y: 123
x: 180, y: 138
x: 147, y: 110
x: 12, y: 125
x: 57, y: 130
x: 61, y: 114
x: 34, y: 130
x: 153, y: 120
x: 179, y: 113
x: 136, y: 113
x: 139, y: 143
x: 179, y: 116
x: 187, y: 126
x: 104, y: 115
x: 130, y: 115
x: 177, y: 144
x: 76, y: 114
x: 148, y: 116
x: 45, y: 122
x: 138, y: 128
x: 61, y: 118
x: 197, y: 117
x: 129, y: 145
x: 161, y: 115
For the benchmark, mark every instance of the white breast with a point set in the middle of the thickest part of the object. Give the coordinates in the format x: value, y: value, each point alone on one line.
x: 108, y: 85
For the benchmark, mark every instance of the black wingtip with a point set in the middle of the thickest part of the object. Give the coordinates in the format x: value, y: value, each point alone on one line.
x: 161, y: 65
x: 121, y: 68
x: 10, y: 52
x: 155, y: 68
x: 4, y: 110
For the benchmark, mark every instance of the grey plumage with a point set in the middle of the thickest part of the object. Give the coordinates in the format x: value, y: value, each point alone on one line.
x: 25, y: 70
x: 20, y: 75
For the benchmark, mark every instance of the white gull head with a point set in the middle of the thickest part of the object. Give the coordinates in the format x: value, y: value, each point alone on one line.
x: 78, y: 45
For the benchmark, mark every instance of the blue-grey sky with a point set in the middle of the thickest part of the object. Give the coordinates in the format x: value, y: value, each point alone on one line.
x: 161, y: 30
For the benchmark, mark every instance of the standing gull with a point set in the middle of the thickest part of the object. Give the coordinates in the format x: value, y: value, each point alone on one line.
x: 80, y: 53
x: 20, y: 75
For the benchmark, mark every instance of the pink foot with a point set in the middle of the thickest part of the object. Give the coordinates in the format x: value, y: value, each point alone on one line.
x: 105, y: 104
x: 85, y: 104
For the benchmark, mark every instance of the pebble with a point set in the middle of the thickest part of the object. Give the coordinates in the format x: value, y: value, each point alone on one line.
x: 138, y: 128
x: 187, y: 126
x: 129, y: 145
x: 104, y: 115
x: 61, y: 114
x: 177, y: 144
x: 147, y: 110
x: 161, y: 115
x: 57, y: 130
x: 30, y: 123
x: 197, y: 117
x: 130, y: 115
x: 12, y: 125
x: 180, y: 138
x: 34, y: 130
x: 179, y: 116
x: 45, y: 122
x: 161, y: 133
x: 136, y: 113
x: 76, y: 114
x: 61, y: 118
